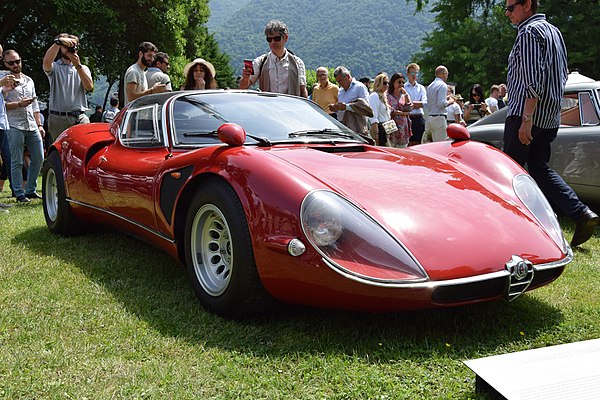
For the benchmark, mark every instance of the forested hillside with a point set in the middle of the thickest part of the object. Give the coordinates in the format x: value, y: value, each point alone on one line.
x: 222, y: 10
x: 367, y: 36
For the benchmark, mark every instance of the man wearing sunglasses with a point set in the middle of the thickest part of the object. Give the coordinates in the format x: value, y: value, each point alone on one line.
x: 537, y: 73
x: 69, y: 80
x: 278, y: 71
x: 157, y: 73
x: 25, y: 129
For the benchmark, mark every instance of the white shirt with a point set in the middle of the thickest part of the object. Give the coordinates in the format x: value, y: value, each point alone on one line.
x: 492, y: 102
x: 416, y: 93
x: 381, y: 112
x: 451, y: 112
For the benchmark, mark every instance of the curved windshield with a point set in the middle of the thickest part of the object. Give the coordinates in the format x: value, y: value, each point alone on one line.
x: 267, y: 116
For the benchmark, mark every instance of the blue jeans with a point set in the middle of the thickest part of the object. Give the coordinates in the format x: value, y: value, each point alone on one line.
x: 537, y: 155
x: 17, y: 140
x: 5, y: 151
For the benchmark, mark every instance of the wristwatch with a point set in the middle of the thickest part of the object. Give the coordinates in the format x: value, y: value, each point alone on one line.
x: 57, y: 42
x: 526, y: 118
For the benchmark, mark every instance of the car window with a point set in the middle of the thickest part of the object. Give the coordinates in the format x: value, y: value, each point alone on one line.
x: 195, y: 122
x: 569, y: 113
x: 141, y: 128
x: 589, y: 115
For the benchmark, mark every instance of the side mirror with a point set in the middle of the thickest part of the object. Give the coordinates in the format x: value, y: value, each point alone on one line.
x: 458, y: 132
x: 232, y: 134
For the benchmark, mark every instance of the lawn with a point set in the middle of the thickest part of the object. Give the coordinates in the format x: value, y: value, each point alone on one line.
x: 106, y: 316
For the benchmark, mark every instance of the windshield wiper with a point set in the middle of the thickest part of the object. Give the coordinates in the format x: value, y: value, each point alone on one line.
x: 199, y: 134
x: 326, y: 131
x: 262, y: 141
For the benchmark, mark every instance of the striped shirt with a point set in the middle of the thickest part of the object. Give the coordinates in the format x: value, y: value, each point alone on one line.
x: 537, y: 68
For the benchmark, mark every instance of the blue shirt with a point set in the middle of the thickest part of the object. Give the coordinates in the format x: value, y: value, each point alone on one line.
x: 3, y: 118
x: 437, y: 91
x: 355, y: 90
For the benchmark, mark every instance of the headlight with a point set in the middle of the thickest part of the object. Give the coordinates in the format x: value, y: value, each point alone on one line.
x: 530, y: 194
x: 354, y: 243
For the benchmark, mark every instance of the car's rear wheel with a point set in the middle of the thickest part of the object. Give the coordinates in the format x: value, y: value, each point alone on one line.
x: 219, y: 254
x: 57, y: 211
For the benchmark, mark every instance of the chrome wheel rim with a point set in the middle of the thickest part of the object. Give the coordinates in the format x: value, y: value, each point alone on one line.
x: 51, y: 195
x: 212, y: 254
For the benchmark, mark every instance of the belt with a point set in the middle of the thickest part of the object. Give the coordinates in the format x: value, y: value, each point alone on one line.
x: 415, y: 115
x: 67, y: 114
x: 437, y: 115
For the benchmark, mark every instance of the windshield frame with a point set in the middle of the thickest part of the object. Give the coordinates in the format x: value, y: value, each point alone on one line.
x: 218, y: 107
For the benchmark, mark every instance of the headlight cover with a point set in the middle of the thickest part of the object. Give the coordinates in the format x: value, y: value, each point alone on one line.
x: 354, y: 243
x: 532, y: 197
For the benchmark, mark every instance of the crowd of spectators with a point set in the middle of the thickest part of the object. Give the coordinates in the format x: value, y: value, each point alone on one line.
x: 393, y: 112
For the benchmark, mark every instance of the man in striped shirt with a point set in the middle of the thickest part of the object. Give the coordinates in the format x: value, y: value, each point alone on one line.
x: 537, y: 73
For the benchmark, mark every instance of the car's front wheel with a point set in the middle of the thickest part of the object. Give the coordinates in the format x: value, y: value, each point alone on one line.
x: 219, y: 255
x: 57, y: 211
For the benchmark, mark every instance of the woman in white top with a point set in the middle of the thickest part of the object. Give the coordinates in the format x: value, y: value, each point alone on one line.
x: 454, y: 111
x: 381, y: 108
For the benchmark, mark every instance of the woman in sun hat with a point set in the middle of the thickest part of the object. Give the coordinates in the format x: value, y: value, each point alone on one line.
x: 199, y: 75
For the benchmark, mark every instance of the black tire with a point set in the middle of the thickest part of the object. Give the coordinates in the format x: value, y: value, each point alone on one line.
x: 219, y: 255
x: 57, y: 211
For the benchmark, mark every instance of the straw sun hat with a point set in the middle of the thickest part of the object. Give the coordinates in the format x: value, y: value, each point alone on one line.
x: 202, y: 61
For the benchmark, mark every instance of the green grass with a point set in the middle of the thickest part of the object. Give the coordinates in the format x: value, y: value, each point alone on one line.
x: 106, y: 316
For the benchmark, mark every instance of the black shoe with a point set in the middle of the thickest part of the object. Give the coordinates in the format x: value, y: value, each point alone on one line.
x: 584, y: 227
x: 22, y: 199
x: 33, y: 195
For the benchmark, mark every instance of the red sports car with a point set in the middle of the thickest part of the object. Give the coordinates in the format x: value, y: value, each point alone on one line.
x: 264, y: 196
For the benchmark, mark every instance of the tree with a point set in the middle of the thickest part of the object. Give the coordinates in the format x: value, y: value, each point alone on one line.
x: 109, y: 32
x: 472, y: 41
x: 473, y: 38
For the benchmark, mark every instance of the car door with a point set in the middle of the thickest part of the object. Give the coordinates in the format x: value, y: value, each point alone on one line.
x: 575, y: 150
x: 127, y: 171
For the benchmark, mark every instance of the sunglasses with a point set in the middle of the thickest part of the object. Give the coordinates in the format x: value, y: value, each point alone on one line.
x: 511, y: 8
x: 475, y: 95
x: 275, y: 38
x: 11, y: 63
x: 385, y: 83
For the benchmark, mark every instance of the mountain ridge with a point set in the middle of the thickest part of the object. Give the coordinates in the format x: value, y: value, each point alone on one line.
x: 365, y: 42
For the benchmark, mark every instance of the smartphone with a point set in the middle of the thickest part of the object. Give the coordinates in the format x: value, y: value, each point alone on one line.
x: 248, y: 65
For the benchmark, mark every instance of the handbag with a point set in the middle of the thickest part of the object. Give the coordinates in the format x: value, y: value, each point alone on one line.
x: 389, y: 127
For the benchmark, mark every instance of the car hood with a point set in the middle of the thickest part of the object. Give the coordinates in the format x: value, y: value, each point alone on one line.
x: 454, y: 220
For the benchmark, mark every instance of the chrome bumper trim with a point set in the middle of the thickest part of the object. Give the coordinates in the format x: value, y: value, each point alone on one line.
x: 105, y: 211
x: 430, y: 285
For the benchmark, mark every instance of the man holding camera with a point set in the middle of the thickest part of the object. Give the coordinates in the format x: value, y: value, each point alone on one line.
x: 69, y: 80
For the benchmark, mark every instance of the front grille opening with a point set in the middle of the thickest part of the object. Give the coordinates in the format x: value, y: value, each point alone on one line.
x: 487, y: 289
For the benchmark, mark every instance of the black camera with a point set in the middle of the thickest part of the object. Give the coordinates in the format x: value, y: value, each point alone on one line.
x: 72, y: 49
